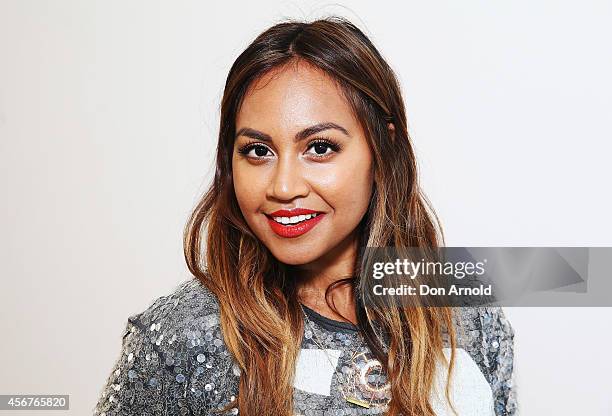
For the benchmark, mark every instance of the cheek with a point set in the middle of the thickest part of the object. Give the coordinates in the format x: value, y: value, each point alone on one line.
x: 347, y: 189
x: 248, y: 189
x: 352, y: 200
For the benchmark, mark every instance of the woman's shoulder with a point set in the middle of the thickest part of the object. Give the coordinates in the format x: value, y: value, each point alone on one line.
x: 184, y: 327
x: 486, y: 329
x: 173, y: 358
x: 489, y: 319
x: 487, y: 336
x: 189, y: 304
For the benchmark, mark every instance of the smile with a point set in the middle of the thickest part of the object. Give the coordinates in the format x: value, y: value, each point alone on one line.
x: 293, y: 223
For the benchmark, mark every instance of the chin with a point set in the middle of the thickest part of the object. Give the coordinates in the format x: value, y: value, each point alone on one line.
x: 294, y: 257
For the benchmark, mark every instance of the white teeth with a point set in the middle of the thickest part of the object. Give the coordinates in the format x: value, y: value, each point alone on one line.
x: 295, y: 219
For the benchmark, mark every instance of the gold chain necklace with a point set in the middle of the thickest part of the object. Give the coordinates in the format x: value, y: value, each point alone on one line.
x: 357, y: 375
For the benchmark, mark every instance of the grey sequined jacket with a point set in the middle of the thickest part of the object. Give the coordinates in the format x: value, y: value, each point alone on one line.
x: 173, y: 361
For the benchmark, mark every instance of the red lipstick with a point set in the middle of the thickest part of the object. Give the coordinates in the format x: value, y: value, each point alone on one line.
x: 297, y: 229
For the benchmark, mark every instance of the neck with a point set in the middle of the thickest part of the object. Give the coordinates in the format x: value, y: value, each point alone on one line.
x: 316, y: 276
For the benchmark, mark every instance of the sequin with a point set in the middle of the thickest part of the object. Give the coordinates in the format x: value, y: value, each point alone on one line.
x: 174, y: 361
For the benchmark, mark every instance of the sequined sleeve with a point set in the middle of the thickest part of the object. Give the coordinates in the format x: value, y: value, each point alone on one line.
x: 173, y: 360
x: 498, y: 357
x: 136, y: 380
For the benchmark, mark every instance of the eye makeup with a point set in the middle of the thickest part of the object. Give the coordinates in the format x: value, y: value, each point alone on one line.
x: 319, y: 141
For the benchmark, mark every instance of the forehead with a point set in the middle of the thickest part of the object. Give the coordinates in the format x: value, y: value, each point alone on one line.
x: 297, y: 94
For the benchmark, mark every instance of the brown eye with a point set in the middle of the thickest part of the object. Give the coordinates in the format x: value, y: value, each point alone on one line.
x: 320, y: 148
x: 323, y: 147
x: 261, y: 151
x: 255, y: 151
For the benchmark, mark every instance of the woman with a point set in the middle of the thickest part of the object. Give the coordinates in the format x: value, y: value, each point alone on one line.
x: 314, y: 163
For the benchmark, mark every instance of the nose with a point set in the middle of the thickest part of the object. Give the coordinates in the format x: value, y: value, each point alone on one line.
x: 288, y: 181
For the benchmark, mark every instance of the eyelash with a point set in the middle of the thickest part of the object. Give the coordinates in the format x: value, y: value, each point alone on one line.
x: 322, y: 140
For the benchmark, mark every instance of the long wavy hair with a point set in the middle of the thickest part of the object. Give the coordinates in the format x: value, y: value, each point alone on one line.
x: 261, y: 316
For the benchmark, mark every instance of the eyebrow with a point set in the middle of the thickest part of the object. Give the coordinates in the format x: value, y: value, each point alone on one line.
x: 301, y: 135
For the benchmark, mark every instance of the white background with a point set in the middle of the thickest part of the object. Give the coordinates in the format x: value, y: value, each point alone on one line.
x: 108, y: 122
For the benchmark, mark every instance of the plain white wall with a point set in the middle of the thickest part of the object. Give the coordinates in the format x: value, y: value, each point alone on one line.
x: 108, y: 120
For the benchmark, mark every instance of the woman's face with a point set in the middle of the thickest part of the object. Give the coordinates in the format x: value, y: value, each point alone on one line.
x: 302, y: 168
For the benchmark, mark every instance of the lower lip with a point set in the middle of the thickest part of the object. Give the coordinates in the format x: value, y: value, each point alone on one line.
x: 295, y: 230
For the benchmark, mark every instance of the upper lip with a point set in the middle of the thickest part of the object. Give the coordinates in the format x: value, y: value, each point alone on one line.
x: 292, y: 212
